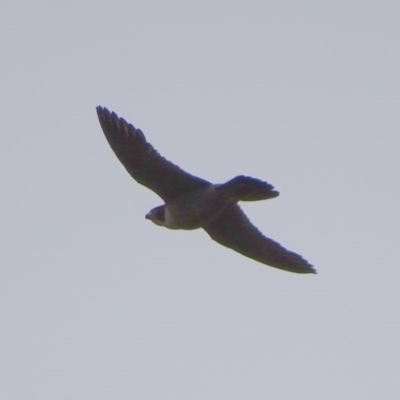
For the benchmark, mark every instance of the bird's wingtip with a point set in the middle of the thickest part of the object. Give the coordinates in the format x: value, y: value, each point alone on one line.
x: 312, y: 270
x: 100, y: 108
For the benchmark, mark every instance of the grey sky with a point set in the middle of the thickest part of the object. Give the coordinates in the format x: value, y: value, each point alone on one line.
x: 97, y: 303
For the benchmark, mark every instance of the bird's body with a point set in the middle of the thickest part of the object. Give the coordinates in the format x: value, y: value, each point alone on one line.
x: 200, y: 207
x: 193, y: 203
x: 189, y: 212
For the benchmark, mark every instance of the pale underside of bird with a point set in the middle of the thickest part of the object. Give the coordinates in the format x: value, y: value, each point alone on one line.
x: 192, y: 202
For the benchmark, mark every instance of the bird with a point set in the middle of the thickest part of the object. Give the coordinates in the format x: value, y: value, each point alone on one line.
x: 191, y: 202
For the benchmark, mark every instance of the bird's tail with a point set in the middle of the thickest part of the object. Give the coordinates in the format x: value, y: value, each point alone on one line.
x: 245, y: 188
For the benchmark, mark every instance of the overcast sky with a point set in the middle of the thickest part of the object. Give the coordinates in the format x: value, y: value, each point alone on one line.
x: 98, y: 303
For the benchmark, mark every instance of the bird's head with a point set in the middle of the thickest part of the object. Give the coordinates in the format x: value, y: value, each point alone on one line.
x: 157, y: 215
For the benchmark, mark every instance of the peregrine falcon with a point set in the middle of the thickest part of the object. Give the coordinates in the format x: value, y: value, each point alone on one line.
x: 192, y: 202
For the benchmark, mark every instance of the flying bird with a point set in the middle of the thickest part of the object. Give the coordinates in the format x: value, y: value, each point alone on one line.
x: 192, y: 202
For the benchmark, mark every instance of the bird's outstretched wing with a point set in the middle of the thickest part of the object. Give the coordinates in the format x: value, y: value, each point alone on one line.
x: 143, y: 162
x: 234, y: 230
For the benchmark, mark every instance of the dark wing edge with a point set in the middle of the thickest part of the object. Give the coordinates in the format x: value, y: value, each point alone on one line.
x: 143, y: 162
x: 234, y: 230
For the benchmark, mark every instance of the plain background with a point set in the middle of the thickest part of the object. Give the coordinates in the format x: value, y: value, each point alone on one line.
x: 97, y: 303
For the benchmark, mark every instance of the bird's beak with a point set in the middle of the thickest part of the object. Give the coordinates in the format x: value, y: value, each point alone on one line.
x: 149, y: 215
